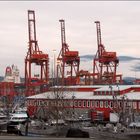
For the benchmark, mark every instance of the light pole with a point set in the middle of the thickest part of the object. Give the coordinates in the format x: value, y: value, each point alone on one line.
x: 52, y: 83
x: 54, y: 66
x: 57, y: 71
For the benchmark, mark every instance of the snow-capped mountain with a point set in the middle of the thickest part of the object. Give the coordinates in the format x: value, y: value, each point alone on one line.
x: 128, y: 66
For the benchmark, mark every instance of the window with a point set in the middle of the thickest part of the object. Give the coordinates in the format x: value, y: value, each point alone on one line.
x: 92, y: 103
x: 100, y: 92
x: 60, y: 104
x: 41, y: 103
x: 125, y: 104
x: 134, y: 105
x: 96, y: 103
x: 106, y: 104
x: 79, y: 104
x: 45, y: 103
x: 130, y: 104
x: 31, y: 102
x: 111, y: 104
x: 139, y: 105
x: 75, y: 103
x: 49, y: 103
x: 120, y: 104
x: 112, y: 93
x: 71, y: 103
x: 84, y: 103
x: 101, y: 104
x: 66, y: 103
x: 88, y: 103
x: 35, y: 103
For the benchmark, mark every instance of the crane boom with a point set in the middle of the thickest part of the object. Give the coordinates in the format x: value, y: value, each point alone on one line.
x: 101, y: 48
x: 63, y: 36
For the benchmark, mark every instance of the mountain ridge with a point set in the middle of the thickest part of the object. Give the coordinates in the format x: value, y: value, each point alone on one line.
x: 121, y: 58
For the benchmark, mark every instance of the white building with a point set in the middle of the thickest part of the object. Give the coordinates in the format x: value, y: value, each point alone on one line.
x: 12, y: 74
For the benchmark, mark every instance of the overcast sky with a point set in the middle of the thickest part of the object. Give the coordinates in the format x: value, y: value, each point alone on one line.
x: 120, y: 26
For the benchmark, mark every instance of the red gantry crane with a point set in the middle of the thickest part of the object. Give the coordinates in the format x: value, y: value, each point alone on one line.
x: 69, y: 61
x: 105, y: 63
x: 38, y: 82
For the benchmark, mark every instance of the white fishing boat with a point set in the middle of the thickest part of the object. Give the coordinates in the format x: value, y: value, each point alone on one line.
x: 19, y: 116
